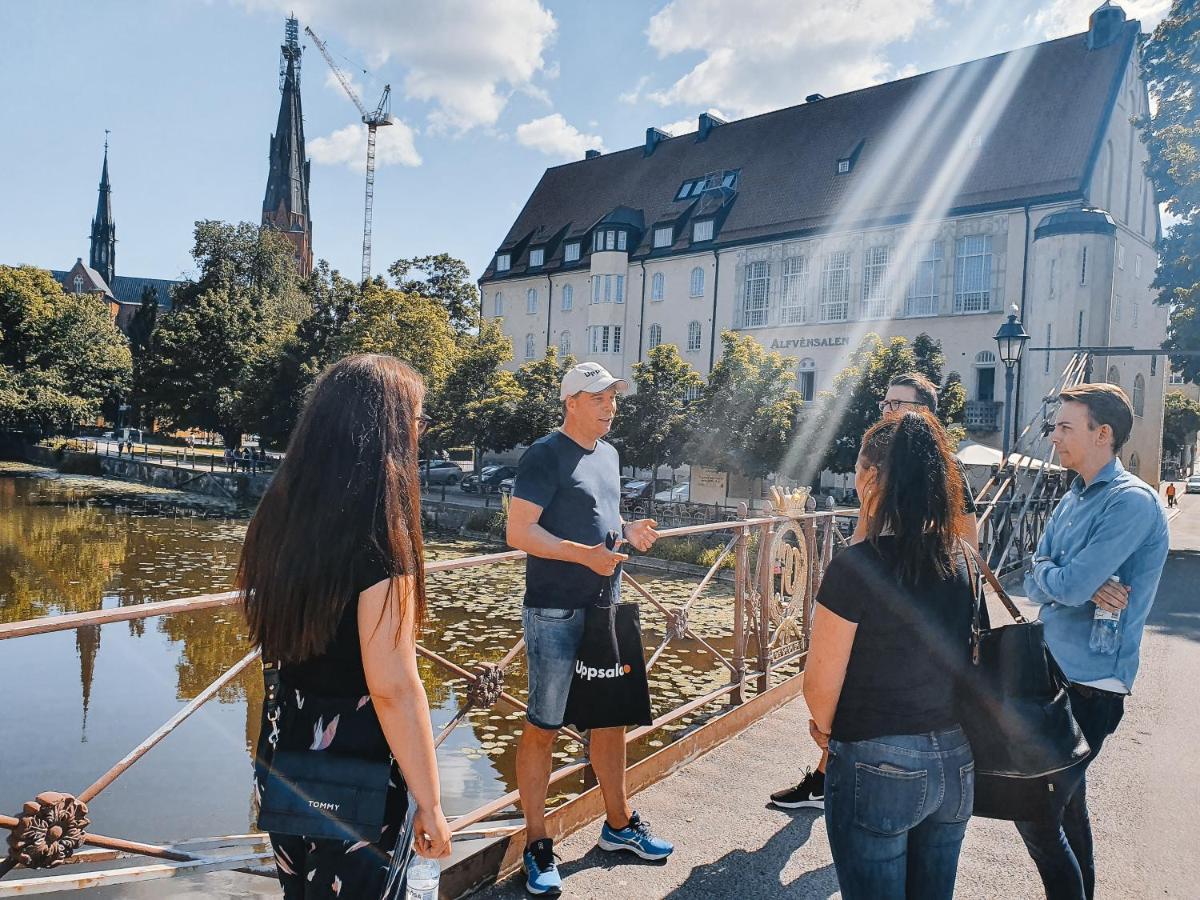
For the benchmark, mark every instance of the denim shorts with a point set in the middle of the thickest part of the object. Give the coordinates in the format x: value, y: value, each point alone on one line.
x: 552, y: 638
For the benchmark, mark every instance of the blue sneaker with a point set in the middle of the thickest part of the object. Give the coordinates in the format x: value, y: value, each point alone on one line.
x: 636, y: 837
x: 541, y: 872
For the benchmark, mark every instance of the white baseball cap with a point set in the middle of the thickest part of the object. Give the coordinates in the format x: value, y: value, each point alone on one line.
x: 590, y: 377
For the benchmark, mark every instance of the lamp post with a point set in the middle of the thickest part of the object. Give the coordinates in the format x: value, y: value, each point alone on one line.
x: 1010, y: 339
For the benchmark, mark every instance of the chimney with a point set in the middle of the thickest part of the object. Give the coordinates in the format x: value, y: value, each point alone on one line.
x: 653, y: 136
x: 708, y: 121
x: 813, y: 98
x: 590, y: 154
x: 1105, y: 25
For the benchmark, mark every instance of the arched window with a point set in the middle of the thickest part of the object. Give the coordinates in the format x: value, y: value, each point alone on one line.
x: 564, y: 343
x: 529, y: 345
x: 1134, y: 464
x: 531, y: 300
x: 985, y: 375
x: 1139, y: 395
x: 1114, y: 377
x: 656, y: 286
x: 79, y: 284
x: 568, y: 297
x: 697, y: 282
x: 499, y: 304
x: 694, y: 333
x: 655, y: 336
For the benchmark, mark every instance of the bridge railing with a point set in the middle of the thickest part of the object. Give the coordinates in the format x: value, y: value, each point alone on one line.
x: 777, y: 564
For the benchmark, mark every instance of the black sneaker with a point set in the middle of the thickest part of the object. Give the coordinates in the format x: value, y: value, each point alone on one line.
x: 808, y: 794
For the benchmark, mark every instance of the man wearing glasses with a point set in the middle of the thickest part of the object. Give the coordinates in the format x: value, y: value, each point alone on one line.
x: 910, y: 390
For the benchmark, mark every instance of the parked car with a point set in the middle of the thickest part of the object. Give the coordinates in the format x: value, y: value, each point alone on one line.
x: 1193, y: 485
x: 505, y: 487
x: 490, y: 477
x: 440, y: 471
x: 637, y: 490
x: 677, y: 494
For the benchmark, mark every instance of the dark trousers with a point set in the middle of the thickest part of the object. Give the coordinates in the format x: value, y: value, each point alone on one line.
x: 1062, y: 850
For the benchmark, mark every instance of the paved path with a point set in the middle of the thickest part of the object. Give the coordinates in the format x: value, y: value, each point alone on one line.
x: 1143, y: 790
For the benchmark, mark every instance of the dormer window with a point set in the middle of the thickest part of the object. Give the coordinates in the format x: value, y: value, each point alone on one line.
x: 684, y: 190
x: 702, y: 230
x: 609, y: 239
x: 847, y: 160
x: 664, y: 237
x: 843, y: 166
x: 503, y: 262
x: 537, y: 257
x: 571, y: 252
x: 621, y: 240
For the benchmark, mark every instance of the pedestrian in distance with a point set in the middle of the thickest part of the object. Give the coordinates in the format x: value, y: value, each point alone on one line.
x: 1095, y: 573
x: 1171, y: 501
x: 907, y: 391
x: 890, y: 648
x: 333, y: 587
x: 565, y: 503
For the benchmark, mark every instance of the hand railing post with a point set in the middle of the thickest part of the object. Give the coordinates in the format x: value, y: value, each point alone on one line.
x: 741, y: 579
x: 766, y: 579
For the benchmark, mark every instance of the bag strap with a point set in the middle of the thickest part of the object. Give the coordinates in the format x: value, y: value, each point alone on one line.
x: 991, y: 579
x: 977, y: 599
x: 273, y: 689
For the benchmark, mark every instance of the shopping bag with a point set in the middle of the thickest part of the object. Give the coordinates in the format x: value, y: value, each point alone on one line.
x: 609, y: 687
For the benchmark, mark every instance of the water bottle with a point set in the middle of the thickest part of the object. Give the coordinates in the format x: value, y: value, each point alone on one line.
x: 423, y: 877
x: 1106, y: 628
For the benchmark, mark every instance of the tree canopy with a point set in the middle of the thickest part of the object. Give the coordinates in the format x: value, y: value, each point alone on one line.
x: 1171, y: 63
x: 1181, y: 421
x: 653, y: 424
x: 61, y: 356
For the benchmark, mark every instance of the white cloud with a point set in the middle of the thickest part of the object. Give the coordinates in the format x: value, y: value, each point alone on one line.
x: 764, y: 54
x: 348, y: 146
x: 462, y: 56
x: 686, y: 126
x: 633, y: 96
x: 1062, y: 17
x: 555, y: 136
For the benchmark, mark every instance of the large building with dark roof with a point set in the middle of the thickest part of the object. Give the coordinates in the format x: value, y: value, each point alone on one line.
x: 122, y: 293
x: 931, y: 204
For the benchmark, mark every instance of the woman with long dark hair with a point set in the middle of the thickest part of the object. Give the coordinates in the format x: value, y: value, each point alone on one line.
x: 334, y: 592
x: 890, y: 643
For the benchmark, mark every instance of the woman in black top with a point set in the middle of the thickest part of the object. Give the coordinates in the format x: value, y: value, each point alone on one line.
x: 333, y: 580
x: 890, y: 640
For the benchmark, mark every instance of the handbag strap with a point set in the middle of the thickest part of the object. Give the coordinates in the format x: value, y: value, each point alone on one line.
x: 272, y: 689
x: 991, y: 579
x: 976, y: 599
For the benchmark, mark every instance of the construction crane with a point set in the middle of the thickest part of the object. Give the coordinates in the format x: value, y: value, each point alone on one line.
x: 381, y: 116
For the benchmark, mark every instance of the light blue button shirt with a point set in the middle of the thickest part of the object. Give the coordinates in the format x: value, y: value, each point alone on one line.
x: 1113, y: 526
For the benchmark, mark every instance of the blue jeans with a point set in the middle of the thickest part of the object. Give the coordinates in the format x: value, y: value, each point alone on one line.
x: 896, y: 809
x: 552, y: 638
x: 1062, y: 849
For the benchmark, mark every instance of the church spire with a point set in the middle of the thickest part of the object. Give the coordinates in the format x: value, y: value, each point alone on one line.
x: 103, y: 255
x: 285, y: 206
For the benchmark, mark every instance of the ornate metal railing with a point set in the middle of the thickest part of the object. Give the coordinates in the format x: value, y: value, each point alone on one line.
x: 777, y: 561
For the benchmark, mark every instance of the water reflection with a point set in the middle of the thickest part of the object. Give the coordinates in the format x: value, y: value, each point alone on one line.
x: 74, y: 543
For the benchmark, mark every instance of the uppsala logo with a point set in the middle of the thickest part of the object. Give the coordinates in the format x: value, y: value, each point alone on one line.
x: 590, y: 672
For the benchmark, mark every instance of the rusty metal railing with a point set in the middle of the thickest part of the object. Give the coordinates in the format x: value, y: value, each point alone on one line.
x: 778, y: 561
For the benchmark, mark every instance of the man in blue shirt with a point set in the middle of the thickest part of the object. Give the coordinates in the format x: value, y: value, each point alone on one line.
x: 1109, y: 523
x: 566, y: 503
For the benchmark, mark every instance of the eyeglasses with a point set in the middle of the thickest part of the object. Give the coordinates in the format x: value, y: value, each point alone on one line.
x: 424, y: 423
x: 893, y: 405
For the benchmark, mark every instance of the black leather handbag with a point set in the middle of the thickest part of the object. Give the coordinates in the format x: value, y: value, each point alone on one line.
x: 1029, y: 751
x: 315, y: 793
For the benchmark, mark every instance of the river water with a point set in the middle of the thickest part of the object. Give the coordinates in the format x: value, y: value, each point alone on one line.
x: 72, y: 703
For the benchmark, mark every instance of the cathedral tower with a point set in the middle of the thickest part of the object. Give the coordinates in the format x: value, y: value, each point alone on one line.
x: 285, y: 206
x: 103, y: 254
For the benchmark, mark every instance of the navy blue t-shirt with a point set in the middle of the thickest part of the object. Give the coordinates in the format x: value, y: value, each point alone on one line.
x: 579, y: 491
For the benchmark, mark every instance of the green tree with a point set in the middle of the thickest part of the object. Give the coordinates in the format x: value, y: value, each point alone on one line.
x: 1171, y: 63
x: 1181, y: 421
x: 247, y: 297
x: 653, y: 424
x: 479, y: 398
x: 443, y: 278
x: 747, y: 413
x: 141, y: 333
x: 412, y: 327
x: 538, y: 409
x: 864, y: 382
x: 61, y: 357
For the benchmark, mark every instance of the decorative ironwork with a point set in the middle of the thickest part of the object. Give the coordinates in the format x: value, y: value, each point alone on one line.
x: 677, y: 624
x: 51, y: 828
x: 790, y: 576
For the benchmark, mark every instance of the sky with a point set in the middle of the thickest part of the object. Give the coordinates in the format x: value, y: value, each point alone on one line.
x: 486, y: 95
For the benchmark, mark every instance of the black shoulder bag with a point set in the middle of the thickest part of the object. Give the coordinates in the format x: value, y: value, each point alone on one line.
x: 1013, y: 705
x: 317, y: 793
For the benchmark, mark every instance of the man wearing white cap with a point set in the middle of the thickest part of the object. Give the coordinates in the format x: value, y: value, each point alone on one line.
x: 566, y: 502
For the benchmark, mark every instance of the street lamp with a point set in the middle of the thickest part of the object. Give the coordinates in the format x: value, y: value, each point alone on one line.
x: 1011, y: 340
